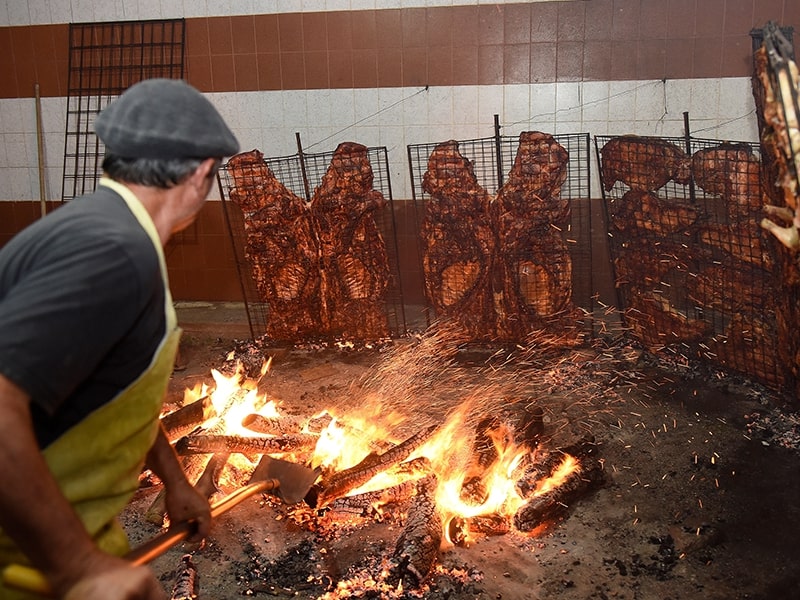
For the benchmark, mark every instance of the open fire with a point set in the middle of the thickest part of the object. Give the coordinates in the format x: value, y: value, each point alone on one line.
x: 447, y: 483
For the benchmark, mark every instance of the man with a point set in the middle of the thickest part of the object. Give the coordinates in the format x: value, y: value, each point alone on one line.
x: 87, y: 343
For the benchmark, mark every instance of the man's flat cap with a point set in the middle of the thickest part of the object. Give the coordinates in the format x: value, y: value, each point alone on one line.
x: 164, y: 118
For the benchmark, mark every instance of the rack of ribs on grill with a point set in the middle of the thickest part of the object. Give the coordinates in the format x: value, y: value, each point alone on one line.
x: 733, y: 172
x: 280, y: 246
x: 458, y: 242
x: 645, y: 213
x: 643, y: 164
x: 354, y: 264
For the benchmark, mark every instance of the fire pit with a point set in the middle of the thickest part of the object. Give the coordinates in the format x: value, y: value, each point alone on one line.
x: 668, y: 500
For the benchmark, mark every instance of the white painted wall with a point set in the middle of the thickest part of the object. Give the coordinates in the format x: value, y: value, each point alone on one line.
x: 395, y: 117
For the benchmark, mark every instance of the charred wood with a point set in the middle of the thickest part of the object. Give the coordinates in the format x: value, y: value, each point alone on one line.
x: 363, y: 504
x: 186, y: 586
x: 342, y: 482
x: 187, y: 418
x: 417, y: 548
x: 236, y: 444
x: 554, y: 502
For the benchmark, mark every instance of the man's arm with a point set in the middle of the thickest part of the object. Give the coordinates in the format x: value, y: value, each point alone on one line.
x: 183, y: 501
x: 35, y: 514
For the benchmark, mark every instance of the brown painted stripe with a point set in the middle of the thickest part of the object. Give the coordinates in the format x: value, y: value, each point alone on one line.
x: 457, y: 45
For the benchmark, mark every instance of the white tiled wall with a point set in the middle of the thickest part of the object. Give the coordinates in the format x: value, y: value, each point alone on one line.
x: 395, y: 117
x: 38, y: 12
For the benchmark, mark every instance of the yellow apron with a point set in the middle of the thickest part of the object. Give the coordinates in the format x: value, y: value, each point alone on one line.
x: 97, y: 463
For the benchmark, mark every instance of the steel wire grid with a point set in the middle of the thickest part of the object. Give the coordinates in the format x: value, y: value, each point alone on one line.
x: 491, y: 160
x: 105, y: 59
x: 302, y: 173
x: 693, y: 269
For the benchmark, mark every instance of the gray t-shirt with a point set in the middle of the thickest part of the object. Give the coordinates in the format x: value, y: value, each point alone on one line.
x: 81, y: 309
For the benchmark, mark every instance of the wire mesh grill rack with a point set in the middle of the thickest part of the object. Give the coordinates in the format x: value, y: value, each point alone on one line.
x: 104, y: 60
x: 505, y: 226
x: 694, y: 271
x: 316, y: 244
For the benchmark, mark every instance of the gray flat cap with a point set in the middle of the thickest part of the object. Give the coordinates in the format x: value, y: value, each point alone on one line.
x: 164, y: 118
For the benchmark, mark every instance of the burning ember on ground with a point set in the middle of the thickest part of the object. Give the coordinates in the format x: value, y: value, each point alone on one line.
x: 482, y: 469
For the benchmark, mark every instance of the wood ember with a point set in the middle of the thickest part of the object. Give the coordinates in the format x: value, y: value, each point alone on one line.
x: 363, y: 504
x: 552, y: 503
x: 281, y: 247
x: 208, y: 483
x: 417, y: 548
x: 186, y: 586
x: 640, y: 212
x: 210, y: 443
x: 342, y: 482
x: 272, y: 425
x: 258, y: 423
x: 643, y: 164
x: 187, y: 418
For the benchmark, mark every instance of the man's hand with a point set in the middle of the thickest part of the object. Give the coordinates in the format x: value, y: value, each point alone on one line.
x: 183, y: 501
x: 112, y: 578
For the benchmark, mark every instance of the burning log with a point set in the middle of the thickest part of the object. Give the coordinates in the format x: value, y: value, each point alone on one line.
x: 186, y: 587
x: 553, y: 502
x: 417, y: 548
x: 237, y: 444
x: 272, y: 425
x: 363, y: 504
x: 208, y: 484
x: 184, y: 420
x: 342, y: 482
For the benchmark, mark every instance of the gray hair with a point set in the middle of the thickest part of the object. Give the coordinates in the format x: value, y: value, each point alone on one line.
x: 152, y: 172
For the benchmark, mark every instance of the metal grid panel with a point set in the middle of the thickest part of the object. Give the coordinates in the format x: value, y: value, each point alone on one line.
x: 493, y: 157
x: 104, y: 60
x: 514, y: 265
x: 694, y: 270
x: 302, y: 175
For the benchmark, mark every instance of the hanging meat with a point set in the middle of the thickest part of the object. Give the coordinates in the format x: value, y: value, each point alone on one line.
x: 644, y: 263
x: 354, y: 265
x: 642, y: 163
x: 733, y: 172
x: 743, y: 241
x: 458, y: 243
x: 532, y: 192
x: 280, y: 247
x: 732, y: 286
x: 657, y: 324
x: 644, y: 213
x: 536, y: 281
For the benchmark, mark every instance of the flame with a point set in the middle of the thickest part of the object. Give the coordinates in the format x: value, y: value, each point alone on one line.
x: 348, y: 439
